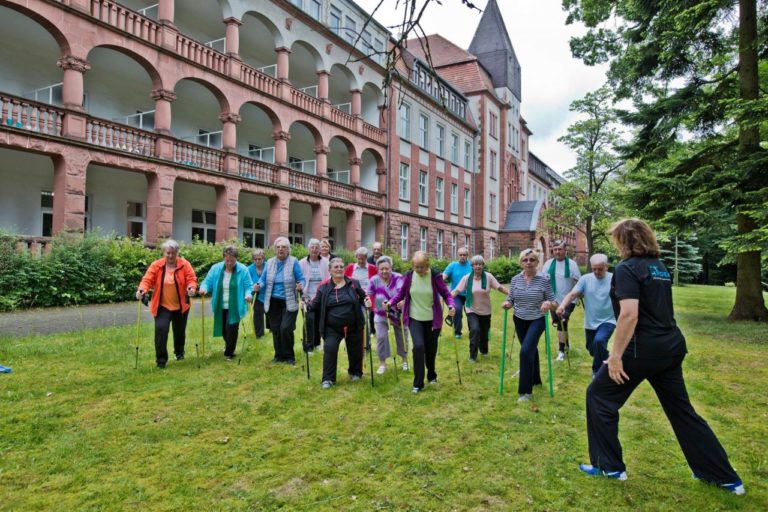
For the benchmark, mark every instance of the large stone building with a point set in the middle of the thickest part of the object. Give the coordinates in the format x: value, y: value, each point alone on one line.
x: 252, y: 119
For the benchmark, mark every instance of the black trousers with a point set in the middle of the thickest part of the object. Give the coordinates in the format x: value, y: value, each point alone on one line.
x: 282, y: 323
x: 230, y: 334
x: 478, y: 333
x: 424, y: 340
x: 355, y: 352
x: 309, y: 341
x: 706, y: 457
x: 258, y: 318
x: 529, y: 333
x: 164, y: 320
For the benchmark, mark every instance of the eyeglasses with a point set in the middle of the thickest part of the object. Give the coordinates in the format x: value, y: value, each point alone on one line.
x: 529, y: 260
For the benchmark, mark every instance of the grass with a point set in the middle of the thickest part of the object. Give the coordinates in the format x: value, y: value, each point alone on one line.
x: 80, y: 429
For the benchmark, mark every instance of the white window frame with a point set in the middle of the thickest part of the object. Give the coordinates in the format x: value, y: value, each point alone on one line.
x: 440, y: 141
x: 492, y: 207
x: 296, y: 236
x: 467, y: 203
x: 455, y: 148
x: 405, y: 121
x: 350, y: 29
x: 493, y: 128
x: 491, y: 248
x: 423, y: 198
x: 318, y: 9
x: 424, y: 131
x: 209, y: 228
x: 440, y: 193
x: 493, y: 157
x: 467, y: 155
x: 335, y: 15
x: 439, y: 244
x: 454, y: 199
x: 423, y: 234
x: 254, y: 232
x: 405, y: 182
x: 404, y: 241
x: 467, y: 241
x: 129, y: 218
x: 46, y: 211
x: 454, y: 244
x: 88, y: 214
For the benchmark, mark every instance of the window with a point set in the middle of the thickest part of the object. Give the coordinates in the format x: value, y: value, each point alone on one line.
x: 492, y: 248
x: 350, y: 30
x: 332, y: 237
x: 492, y: 166
x: 254, y: 232
x: 467, y: 203
x: 492, y: 208
x: 493, y: 127
x: 87, y: 218
x: 454, y: 148
x: 404, y: 241
x: 467, y: 241
x: 204, y: 226
x: 405, y: 121
x: 423, y: 188
x: 439, y: 193
x: 135, y: 218
x: 296, y: 233
x: 467, y: 155
x: 405, y: 178
x: 423, y: 131
x: 454, y: 198
x: 439, y: 244
x: 378, y: 48
x: 454, y: 243
x: 314, y: 11
x: 440, y: 142
x: 334, y: 20
x: 367, y: 46
x: 423, y: 239
x: 509, y: 135
x: 46, y: 208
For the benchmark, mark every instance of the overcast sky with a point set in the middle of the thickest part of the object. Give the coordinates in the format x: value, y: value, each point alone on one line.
x: 551, y: 77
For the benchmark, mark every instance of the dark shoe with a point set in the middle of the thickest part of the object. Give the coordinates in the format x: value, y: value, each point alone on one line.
x: 229, y: 358
x: 290, y: 362
x: 161, y: 366
x: 276, y: 360
x: 180, y: 357
x: 355, y: 378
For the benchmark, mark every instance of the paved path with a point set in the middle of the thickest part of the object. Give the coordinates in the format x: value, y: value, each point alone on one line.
x: 54, y: 320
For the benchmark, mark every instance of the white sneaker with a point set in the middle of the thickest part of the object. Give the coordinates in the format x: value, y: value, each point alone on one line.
x: 560, y: 356
x: 526, y: 397
x: 381, y: 370
x: 405, y: 367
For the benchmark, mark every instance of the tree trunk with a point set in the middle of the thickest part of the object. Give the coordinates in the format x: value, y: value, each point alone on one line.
x: 749, y: 303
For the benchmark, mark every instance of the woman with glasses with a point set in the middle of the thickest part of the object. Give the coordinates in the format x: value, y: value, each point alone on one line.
x: 315, y: 270
x: 531, y: 295
x: 255, y: 270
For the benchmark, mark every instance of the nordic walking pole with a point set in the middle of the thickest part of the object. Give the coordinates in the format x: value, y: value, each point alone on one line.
x: 367, y: 334
x: 202, y: 324
x: 503, y: 354
x: 394, y: 352
x: 245, y: 328
x: 197, y: 351
x: 138, y: 330
x: 549, y: 354
x: 456, y: 351
x: 304, y: 331
x: 567, y: 345
x: 405, y: 337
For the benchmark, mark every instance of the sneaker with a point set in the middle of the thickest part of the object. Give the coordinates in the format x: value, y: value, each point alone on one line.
x: 180, y: 357
x: 275, y: 360
x: 161, y: 366
x: 290, y: 362
x: 472, y: 359
x: 327, y: 384
x: 355, y: 378
x: 736, y: 487
x: 525, y: 397
x: 589, y: 469
x: 415, y: 390
x: 229, y: 359
x: 433, y: 381
x: 560, y: 356
x: 381, y: 370
x: 405, y: 367
x: 458, y: 336
x: 319, y: 348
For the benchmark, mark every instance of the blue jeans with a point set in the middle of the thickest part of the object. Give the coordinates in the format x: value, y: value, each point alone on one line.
x: 597, y: 344
x: 457, y: 318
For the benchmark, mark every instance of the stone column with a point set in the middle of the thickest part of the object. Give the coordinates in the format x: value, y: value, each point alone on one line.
x: 281, y: 139
x: 229, y: 122
x: 381, y: 172
x: 163, y: 99
x: 320, y: 220
x: 232, y: 39
x: 354, y: 171
x: 165, y: 12
x: 354, y: 229
x: 69, y: 192
x: 159, y: 206
x: 321, y: 156
x: 357, y: 102
x: 278, y: 216
x: 322, y: 86
x: 73, y: 125
x: 283, y: 63
x: 227, y: 197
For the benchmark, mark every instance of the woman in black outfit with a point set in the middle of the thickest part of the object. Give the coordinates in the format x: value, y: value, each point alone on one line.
x: 647, y: 345
x: 338, y: 315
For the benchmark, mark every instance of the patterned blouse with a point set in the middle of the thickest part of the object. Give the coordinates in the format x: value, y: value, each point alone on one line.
x: 527, y: 297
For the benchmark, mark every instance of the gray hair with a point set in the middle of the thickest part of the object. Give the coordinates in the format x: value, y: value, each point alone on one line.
x: 477, y: 258
x: 598, y: 258
x: 383, y: 259
x: 313, y: 241
x: 170, y: 244
x: 257, y: 252
x: 282, y: 239
x: 230, y: 250
x: 559, y: 243
x: 334, y: 260
x: 361, y: 251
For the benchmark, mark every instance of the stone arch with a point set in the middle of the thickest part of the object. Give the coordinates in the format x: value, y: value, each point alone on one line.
x: 377, y: 157
x: 318, y: 137
x: 317, y: 58
x: 347, y: 144
x: 226, y: 9
x: 273, y: 29
x: 277, y: 124
x: 41, y: 20
x: 217, y: 93
x: 154, y: 75
x: 371, y: 103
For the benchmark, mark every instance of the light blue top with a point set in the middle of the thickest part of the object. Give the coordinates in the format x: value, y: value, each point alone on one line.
x: 597, y: 300
x: 256, y: 277
x: 454, y: 273
x: 278, y: 288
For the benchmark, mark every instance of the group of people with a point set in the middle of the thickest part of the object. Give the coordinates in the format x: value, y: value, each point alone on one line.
x: 351, y: 302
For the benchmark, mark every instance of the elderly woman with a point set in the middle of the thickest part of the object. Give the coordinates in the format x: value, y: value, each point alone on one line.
x: 363, y: 272
x: 647, y: 345
x: 255, y: 270
x: 531, y: 295
x: 477, y: 304
x: 315, y: 270
x: 325, y: 250
x: 419, y: 300
x: 282, y: 281
x: 338, y: 308
x: 381, y: 288
x: 230, y: 286
x: 173, y: 280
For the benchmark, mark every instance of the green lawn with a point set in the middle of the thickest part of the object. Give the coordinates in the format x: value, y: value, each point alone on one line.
x: 80, y: 429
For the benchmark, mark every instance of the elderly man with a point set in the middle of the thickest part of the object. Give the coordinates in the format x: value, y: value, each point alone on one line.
x: 599, y: 321
x: 378, y: 251
x: 563, y: 274
x: 453, y: 274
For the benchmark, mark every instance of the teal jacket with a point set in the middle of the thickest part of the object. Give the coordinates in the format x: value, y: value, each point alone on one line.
x: 245, y: 287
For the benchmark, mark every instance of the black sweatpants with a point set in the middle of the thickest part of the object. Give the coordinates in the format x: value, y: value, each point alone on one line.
x: 282, y: 323
x: 706, y: 457
x: 164, y: 320
x: 230, y: 334
x: 355, y: 352
x: 478, y: 333
x: 424, y: 340
x: 529, y: 333
x: 258, y: 318
x: 309, y: 341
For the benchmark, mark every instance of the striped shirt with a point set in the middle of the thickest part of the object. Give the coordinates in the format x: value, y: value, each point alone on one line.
x: 527, y: 297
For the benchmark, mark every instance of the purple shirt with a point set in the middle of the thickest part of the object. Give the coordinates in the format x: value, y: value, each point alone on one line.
x: 379, y: 292
x: 439, y: 289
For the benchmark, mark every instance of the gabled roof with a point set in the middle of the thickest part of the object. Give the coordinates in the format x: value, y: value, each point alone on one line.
x: 522, y: 216
x: 442, y: 51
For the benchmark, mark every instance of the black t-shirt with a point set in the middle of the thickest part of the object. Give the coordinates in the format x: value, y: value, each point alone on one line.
x: 340, y: 308
x: 648, y: 280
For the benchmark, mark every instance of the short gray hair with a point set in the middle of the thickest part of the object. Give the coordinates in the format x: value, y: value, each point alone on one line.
x: 257, y: 252
x: 334, y: 260
x: 598, y: 258
x: 170, y: 244
x: 230, y: 250
x: 282, y: 239
x: 313, y: 241
x: 477, y: 258
x: 361, y: 250
x: 383, y: 259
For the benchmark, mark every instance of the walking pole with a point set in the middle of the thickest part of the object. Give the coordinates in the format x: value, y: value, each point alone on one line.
x: 567, y: 345
x: 456, y: 351
x: 405, y: 337
x: 304, y: 332
x: 394, y: 352
x: 138, y: 330
x: 202, y: 324
x: 197, y: 351
x: 366, y: 333
x: 549, y: 354
x: 503, y: 354
x: 245, y: 328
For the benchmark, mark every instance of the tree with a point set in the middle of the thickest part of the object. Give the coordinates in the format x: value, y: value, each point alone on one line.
x: 682, y: 258
x: 691, y: 70
x: 586, y: 201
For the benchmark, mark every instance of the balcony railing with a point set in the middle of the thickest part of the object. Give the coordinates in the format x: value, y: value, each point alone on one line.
x: 194, y: 155
x: 344, y: 119
x: 270, y: 70
x: 344, y: 107
x: 371, y: 198
x: 208, y: 139
x: 150, y: 11
x: 309, y: 90
x: 19, y: 113
x: 122, y: 18
x: 302, y: 181
x: 119, y: 137
x: 341, y: 191
x: 220, y: 45
x: 201, y: 54
x: 257, y: 171
x: 260, y: 81
x: 51, y: 94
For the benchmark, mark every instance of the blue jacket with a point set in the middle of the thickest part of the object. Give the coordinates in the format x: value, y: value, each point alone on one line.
x: 244, y: 283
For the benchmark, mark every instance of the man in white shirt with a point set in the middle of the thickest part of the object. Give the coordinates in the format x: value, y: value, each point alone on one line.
x: 599, y: 319
x: 563, y: 274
